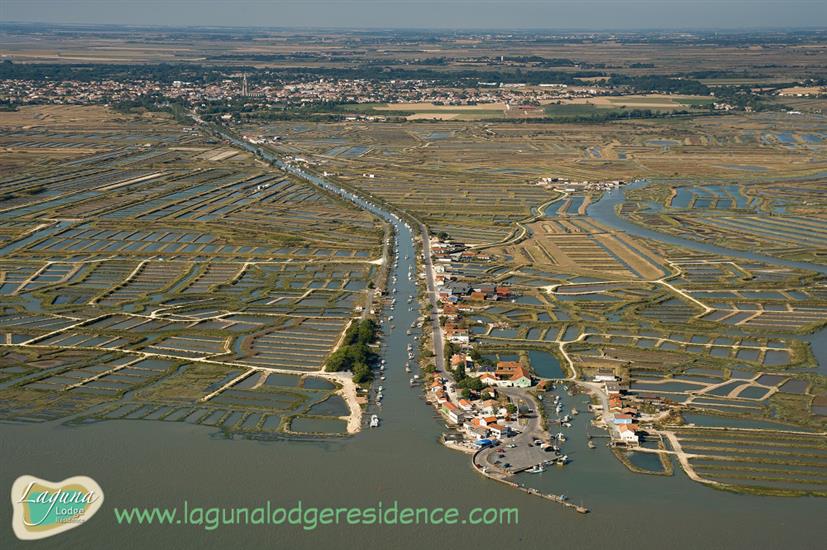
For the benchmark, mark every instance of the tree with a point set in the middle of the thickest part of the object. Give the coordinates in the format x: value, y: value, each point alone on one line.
x: 459, y: 373
x: 472, y: 383
x: 511, y: 408
x: 354, y: 353
x: 361, y: 373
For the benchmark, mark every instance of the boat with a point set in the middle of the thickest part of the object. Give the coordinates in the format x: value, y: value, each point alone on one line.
x: 413, y: 382
x: 379, y: 389
x: 407, y: 368
x: 574, y: 412
x: 591, y: 444
x: 536, y: 469
x: 374, y: 421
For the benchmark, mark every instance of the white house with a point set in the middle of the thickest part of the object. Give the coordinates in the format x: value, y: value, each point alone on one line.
x: 628, y: 435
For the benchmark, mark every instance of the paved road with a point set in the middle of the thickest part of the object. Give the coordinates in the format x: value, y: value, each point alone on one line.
x: 596, y: 388
x: 525, y: 454
x: 439, y: 344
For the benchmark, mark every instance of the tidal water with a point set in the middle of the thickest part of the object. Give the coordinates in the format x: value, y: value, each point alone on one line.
x: 604, y: 212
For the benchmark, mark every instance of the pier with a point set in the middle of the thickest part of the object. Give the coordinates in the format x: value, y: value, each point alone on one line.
x: 528, y: 490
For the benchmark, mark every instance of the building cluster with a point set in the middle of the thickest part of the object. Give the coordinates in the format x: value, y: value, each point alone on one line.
x: 279, y: 92
x: 71, y: 92
x: 478, y: 412
x: 457, y: 297
x: 622, y: 415
x: 480, y: 418
x: 569, y: 186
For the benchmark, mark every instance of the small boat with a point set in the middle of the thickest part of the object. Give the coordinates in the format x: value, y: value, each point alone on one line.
x: 591, y: 444
x: 374, y: 421
x: 536, y: 469
x: 574, y: 411
x: 413, y: 382
x: 382, y: 377
x: 379, y: 397
x: 416, y: 377
x: 379, y: 389
x: 407, y: 368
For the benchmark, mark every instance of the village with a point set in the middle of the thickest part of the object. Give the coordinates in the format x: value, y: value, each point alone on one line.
x: 568, y: 186
x: 502, y: 411
x: 273, y: 90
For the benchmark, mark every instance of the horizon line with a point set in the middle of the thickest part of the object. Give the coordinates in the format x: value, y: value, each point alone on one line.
x: 420, y: 29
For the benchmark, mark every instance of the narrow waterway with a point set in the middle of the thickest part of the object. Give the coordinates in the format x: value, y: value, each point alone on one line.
x: 144, y: 463
x: 605, y: 212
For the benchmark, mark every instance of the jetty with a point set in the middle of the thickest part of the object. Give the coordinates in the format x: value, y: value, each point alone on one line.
x: 502, y: 478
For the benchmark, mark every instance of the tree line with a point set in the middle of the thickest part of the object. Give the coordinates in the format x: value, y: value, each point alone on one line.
x: 354, y: 354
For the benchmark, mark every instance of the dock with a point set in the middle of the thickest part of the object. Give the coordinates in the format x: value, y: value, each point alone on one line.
x: 528, y: 490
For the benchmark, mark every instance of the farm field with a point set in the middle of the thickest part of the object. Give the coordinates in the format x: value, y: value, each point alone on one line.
x: 148, y: 271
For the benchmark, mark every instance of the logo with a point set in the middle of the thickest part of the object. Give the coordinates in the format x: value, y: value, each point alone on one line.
x: 44, y: 508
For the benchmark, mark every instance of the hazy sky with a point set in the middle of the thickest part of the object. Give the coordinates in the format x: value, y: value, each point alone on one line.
x: 550, y: 14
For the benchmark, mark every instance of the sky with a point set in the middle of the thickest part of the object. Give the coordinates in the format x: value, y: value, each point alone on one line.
x: 459, y: 14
